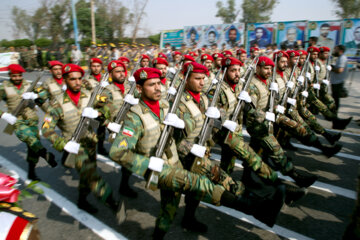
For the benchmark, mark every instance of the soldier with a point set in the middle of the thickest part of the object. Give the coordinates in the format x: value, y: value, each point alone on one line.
x: 161, y: 64
x: 137, y: 140
x: 91, y: 52
x: 218, y: 57
x: 241, y: 55
x: 125, y: 60
x: 145, y: 60
x: 65, y: 113
x: 324, y: 95
x: 207, y: 60
x: 106, y: 55
x: 76, y: 55
x: 227, y: 53
x: 176, y: 59
x: 162, y: 55
x: 26, y: 124
x: 99, y: 52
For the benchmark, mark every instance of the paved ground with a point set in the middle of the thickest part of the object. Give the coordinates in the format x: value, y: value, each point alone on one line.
x: 322, y: 214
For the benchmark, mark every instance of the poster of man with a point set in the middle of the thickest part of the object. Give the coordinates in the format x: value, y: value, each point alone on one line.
x: 327, y: 32
x: 351, y: 38
x: 291, y: 35
x: 259, y: 35
x: 193, y: 36
x: 233, y: 35
x: 212, y: 35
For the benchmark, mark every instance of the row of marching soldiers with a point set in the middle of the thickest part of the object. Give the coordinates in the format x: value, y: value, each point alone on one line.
x: 164, y: 120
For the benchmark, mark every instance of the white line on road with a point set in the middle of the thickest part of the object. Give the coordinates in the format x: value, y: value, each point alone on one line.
x: 98, y: 227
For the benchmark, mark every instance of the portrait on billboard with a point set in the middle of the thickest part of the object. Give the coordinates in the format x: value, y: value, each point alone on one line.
x: 351, y: 38
x: 291, y: 35
x: 327, y: 32
x: 260, y: 34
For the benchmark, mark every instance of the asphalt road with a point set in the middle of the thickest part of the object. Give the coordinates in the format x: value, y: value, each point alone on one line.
x: 322, y: 214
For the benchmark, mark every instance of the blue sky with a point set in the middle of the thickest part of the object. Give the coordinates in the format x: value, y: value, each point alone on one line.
x: 175, y: 14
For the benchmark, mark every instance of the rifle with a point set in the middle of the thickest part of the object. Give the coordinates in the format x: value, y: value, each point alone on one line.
x: 272, y: 97
x: 171, y: 91
x: 327, y: 75
x: 152, y: 181
x: 213, y: 82
x: 307, y: 78
x: 9, y: 129
x: 289, y: 86
x: 317, y: 78
x: 85, y: 122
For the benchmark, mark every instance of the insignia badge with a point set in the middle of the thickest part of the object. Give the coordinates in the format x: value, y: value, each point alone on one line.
x: 91, y: 60
x: 128, y: 132
x: 67, y: 68
x: 143, y: 75
x: 292, y: 54
x: 228, y: 62
x: 216, y: 55
x: 113, y: 64
x: 280, y: 54
x: 321, y: 49
x: 123, y: 144
x: 262, y: 63
x: 204, y: 57
x: 155, y: 61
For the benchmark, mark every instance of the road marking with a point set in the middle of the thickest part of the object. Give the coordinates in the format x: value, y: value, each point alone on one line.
x: 98, y: 227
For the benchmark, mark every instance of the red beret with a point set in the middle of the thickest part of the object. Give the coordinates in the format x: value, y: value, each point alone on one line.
x: 240, y: 51
x: 160, y: 61
x: 143, y: 74
x: 313, y: 49
x: 197, y: 68
x: 227, y: 52
x: 188, y: 58
x: 202, y: 49
x: 217, y: 55
x: 144, y: 56
x: 253, y: 49
x: 124, y: 59
x: 293, y: 53
x: 176, y: 53
x: 193, y: 54
x: 324, y: 49
x: 206, y: 57
x: 302, y: 52
x: 116, y: 63
x: 54, y: 63
x: 16, y: 68
x: 68, y: 68
x: 281, y: 54
x: 265, y: 61
x: 162, y: 55
x: 95, y: 60
x: 229, y: 61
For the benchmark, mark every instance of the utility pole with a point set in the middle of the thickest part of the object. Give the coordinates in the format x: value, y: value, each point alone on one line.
x: 93, y: 31
x: 75, y: 24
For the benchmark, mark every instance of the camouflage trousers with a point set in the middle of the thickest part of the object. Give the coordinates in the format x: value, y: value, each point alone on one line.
x: 28, y: 132
x: 315, y: 102
x: 310, y: 119
x: 326, y: 98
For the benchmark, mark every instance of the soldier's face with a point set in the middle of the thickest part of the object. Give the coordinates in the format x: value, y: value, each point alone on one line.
x: 264, y: 71
x: 324, y: 31
x: 73, y: 81
x: 195, y: 82
x: 302, y: 59
x: 56, y: 71
x: 177, y: 58
x: 162, y: 68
x: 208, y: 64
x: 293, y: 60
x: 126, y: 64
x: 282, y: 64
x: 144, y: 62
x: 242, y: 57
x: 313, y: 56
x: 232, y: 35
x: 254, y: 53
x: 95, y: 68
x: 16, y: 78
x: 233, y: 74
x: 218, y: 62
x: 324, y: 55
x: 118, y: 75
x: 150, y: 90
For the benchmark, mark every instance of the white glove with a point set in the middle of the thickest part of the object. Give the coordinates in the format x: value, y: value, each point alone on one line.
x: 301, y: 79
x: 104, y: 84
x: 11, y: 119
x: 215, y: 81
x: 114, y: 127
x: 90, y: 113
x: 291, y: 101
x: 305, y: 94
x: 244, y: 95
x: 172, y: 91
x: 230, y: 125
x: 72, y: 147
x: 316, y: 86
x: 290, y: 84
x: 212, y: 112
x: 198, y: 150
x: 156, y: 164
x: 172, y: 70
x: 270, y: 116
x: 308, y: 75
x: 280, y: 109
x: 131, y: 99
x: 325, y: 81
x: 64, y: 87
x: 317, y: 68
x: 173, y: 120
x: 274, y: 87
x: 328, y: 67
x: 131, y: 79
x: 29, y: 95
x: 242, y: 80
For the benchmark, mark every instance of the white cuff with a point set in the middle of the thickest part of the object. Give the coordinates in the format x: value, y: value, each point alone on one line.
x: 325, y: 81
x: 290, y: 84
x: 328, y: 67
x: 104, y: 84
x: 72, y: 147
x: 301, y: 79
x: 27, y: 95
x: 156, y: 164
x: 230, y: 125
x: 244, y: 95
x: 198, y: 150
x: 317, y: 68
x: 11, y: 119
x: 215, y: 81
x: 131, y: 79
x: 308, y: 75
x: 242, y: 80
x: 270, y: 116
x: 212, y: 112
x: 114, y: 127
x: 280, y: 109
x: 274, y: 87
x: 172, y: 70
x: 291, y: 101
x: 64, y: 87
x: 173, y: 120
x: 89, y: 112
x: 131, y: 99
x: 316, y: 86
x: 172, y: 91
x: 305, y: 94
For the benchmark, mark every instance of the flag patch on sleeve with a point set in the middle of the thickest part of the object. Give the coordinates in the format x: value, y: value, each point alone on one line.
x: 128, y: 132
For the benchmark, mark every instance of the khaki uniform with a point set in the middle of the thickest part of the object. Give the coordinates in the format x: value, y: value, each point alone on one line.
x: 50, y: 89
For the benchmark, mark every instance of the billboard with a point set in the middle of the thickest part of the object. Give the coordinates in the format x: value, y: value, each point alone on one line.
x: 328, y: 32
x: 290, y: 35
x: 351, y: 38
x: 174, y: 37
x: 259, y: 34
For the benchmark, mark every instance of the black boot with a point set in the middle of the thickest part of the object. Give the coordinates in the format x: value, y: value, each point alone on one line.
x: 327, y: 151
x: 158, y: 234
x: 189, y: 221
x: 293, y: 194
x: 332, y: 138
x: 84, y: 204
x: 124, y: 188
x: 288, y: 146
x: 112, y: 204
x: 101, y: 149
x: 48, y: 156
x: 31, y: 172
x: 304, y: 179
x: 341, y: 123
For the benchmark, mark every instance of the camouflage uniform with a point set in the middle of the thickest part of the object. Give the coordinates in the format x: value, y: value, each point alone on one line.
x: 50, y: 89
x: 324, y: 95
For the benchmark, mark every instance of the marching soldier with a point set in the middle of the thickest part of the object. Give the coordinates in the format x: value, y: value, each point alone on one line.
x: 145, y: 60
x: 218, y: 57
x: 324, y: 95
x: 96, y: 66
x: 26, y: 124
x: 176, y: 59
x: 162, y: 65
x: 207, y: 60
x: 65, y: 113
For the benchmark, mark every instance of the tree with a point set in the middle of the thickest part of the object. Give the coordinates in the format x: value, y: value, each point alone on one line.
x: 43, y: 42
x: 136, y: 17
x: 22, y: 22
x: 257, y: 10
x: 347, y: 8
x: 228, y: 14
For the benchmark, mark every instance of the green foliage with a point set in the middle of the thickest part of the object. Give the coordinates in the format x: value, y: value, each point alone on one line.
x: 155, y: 38
x: 5, y: 43
x: 43, y: 42
x: 257, y: 10
x: 22, y: 42
x: 347, y: 8
x: 229, y: 13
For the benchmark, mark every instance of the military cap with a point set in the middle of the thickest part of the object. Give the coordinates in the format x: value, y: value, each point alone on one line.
x: 229, y: 61
x: 188, y: 58
x: 16, y: 68
x: 253, y: 49
x: 206, y: 57
x: 68, y: 68
x: 313, y: 49
x: 95, y: 60
x: 240, y: 51
x: 112, y: 45
x: 124, y: 59
x: 324, y: 49
x: 193, y: 54
x: 227, y: 52
x: 162, y: 55
x: 144, y: 56
x: 160, y: 61
x: 293, y: 53
x: 143, y: 74
x: 116, y: 63
x: 99, y: 45
x: 196, y: 68
x: 176, y: 53
x: 54, y: 63
x: 217, y: 55
x: 265, y: 61
x: 281, y: 54
x: 302, y: 52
